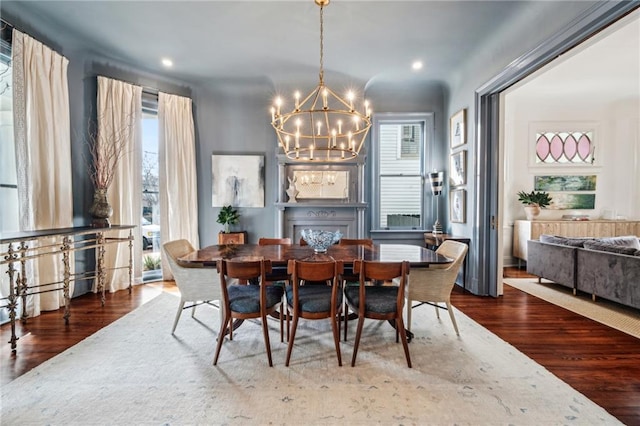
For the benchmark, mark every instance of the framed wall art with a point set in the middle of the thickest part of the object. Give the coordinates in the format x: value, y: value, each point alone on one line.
x: 237, y: 180
x: 458, y: 168
x: 457, y: 206
x: 457, y: 128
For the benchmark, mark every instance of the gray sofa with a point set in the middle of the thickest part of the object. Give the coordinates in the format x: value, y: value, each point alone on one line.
x: 605, y: 267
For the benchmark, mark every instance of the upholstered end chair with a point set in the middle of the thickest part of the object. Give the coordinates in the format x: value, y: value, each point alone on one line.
x: 196, y: 285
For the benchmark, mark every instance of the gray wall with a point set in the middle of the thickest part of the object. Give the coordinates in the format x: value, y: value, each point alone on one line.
x: 232, y: 116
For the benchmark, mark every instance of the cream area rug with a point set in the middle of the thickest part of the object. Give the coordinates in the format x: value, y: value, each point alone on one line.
x: 612, y: 314
x: 134, y: 372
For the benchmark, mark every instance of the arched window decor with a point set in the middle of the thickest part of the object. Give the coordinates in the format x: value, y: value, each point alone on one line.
x: 564, y: 148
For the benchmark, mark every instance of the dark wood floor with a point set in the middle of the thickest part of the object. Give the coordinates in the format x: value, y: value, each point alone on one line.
x: 600, y: 362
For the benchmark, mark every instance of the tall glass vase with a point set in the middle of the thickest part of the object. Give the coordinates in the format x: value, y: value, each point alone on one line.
x: 100, y: 210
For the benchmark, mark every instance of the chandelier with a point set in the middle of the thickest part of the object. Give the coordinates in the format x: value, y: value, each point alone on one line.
x: 322, y: 126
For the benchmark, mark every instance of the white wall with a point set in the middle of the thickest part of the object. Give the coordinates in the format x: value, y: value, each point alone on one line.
x: 617, y: 154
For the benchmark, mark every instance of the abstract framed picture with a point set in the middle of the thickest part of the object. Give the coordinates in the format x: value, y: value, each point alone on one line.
x: 457, y: 128
x: 237, y: 180
x: 565, y: 183
x: 458, y: 168
x: 457, y: 206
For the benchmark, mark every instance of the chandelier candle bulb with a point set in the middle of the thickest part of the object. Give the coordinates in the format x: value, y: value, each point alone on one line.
x: 273, y: 114
x: 319, y: 127
x: 324, y: 98
x: 297, y: 97
x: 333, y: 137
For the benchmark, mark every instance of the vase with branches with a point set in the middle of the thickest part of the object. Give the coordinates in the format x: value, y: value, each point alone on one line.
x: 107, y: 146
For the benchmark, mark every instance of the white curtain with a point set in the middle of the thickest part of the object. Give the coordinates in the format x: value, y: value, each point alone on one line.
x: 178, y: 181
x: 43, y: 151
x: 120, y: 108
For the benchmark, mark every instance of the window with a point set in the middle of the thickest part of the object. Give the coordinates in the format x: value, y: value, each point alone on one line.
x: 8, y: 176
x: 399, y: 145
x: 564, y: 147
x: 150, y: 221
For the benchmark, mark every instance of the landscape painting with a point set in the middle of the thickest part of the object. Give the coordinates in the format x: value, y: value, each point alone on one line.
x: 565, y: 183
x: 237, y: 180
x: 565, y: 201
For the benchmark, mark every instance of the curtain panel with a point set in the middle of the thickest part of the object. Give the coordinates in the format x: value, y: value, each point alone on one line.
x: 119, y: 114
x: 178, y: 179
x: 43, y: 157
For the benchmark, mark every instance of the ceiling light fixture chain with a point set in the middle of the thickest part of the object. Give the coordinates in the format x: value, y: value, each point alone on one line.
x: 322, y: 126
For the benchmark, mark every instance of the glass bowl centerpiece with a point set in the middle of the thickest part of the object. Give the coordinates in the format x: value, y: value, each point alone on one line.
x: 320, y: 241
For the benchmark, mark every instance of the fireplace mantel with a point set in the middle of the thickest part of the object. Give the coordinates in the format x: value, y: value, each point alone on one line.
x: 332, y: 213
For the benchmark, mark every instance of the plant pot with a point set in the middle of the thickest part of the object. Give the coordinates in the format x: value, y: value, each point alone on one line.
x: 100, y: 210
x: 531, y: 212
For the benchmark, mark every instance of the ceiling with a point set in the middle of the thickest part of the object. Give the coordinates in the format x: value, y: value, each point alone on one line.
x: 278, y: 40
x: 604, y: 69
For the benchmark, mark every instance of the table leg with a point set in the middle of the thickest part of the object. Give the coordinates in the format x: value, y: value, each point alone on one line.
x: 66, y: 246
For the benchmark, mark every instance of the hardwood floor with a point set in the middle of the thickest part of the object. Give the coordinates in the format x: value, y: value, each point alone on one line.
x: 598, y: 361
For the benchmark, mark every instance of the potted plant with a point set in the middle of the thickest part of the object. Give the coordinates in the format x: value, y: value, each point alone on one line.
x: 228, y: 216
x: 534, y: 201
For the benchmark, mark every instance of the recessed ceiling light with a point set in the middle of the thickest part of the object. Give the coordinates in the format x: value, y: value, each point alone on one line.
x: 167, y: 62
x: 417, y: 65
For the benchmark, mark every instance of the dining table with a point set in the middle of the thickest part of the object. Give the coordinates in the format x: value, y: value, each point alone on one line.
x: 280, y: 254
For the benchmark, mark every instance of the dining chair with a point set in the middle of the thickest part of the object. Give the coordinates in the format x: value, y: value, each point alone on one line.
x: 320, y: 300
x: 349, y: 277
x: 246, y: 301
x: 273, y: 241
x: 278, y: 273
x: 380, y: 302
x: 196, y: 285
x: 433, y: 285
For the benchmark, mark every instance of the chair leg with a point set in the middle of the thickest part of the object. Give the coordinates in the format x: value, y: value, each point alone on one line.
x: 175, y: 322
x: 357, y: 342
x: 335, y: 327
x: 223, y: 327
x: 453, y: 318
x: 437, y: 309
x: 403, y: 336
x: 281, y: 325
x: 265, y: 331
x: 292, y: 338
x: 193, y: 311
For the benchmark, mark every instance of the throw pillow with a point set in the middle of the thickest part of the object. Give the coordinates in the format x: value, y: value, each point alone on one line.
x: 626, y: 241
x: 611, y: 248
x: 565, y: 241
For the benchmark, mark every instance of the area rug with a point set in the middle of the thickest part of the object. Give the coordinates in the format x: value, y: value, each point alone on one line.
x: 134, y: 372
x: 611, y: 314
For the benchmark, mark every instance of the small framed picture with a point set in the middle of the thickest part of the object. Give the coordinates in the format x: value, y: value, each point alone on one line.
x: 457, y: 128
x: 458, y: 168
x: 457, y: 206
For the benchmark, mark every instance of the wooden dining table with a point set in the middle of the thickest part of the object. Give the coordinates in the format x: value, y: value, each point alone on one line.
x: 279, y: 255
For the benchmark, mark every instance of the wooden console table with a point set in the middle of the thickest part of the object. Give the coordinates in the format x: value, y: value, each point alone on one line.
x: 18, y: 253
x: 433, y: 241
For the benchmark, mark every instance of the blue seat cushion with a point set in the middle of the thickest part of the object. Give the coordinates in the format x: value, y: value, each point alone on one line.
x: 379, y: 299
x: 246, y: 298
x: 313, y: 298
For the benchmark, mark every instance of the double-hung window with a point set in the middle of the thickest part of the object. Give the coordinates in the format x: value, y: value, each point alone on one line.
x: 398, y: 159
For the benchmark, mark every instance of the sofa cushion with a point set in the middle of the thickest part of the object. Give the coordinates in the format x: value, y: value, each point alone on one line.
x: 565, y: 241
x: 612, y: 248
x: 626, y: 241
